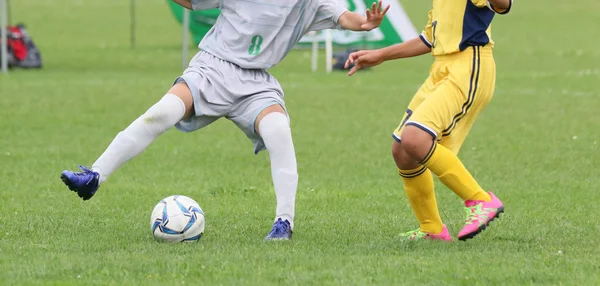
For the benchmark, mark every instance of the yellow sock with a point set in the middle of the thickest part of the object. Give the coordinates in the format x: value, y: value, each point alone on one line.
x: 453, y: 173
x: 418, y: 185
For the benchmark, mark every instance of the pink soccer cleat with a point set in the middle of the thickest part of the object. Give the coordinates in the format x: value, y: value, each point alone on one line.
x: 479, y: 215
x: 419, y: 235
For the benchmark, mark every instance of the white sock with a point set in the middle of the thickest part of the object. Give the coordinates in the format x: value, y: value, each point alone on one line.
x: 138, y: 136
x: 275, y: 131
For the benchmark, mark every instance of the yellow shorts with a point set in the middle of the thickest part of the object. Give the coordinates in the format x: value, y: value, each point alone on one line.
x: 459, y: 86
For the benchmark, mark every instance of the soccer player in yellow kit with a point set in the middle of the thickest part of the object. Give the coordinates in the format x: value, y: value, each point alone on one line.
x: 460, y: 84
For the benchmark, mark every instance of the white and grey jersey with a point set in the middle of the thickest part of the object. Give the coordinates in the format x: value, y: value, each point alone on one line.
x: 258, y: 34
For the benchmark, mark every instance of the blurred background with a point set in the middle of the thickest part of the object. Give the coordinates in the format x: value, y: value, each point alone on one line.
x: 535, y: 145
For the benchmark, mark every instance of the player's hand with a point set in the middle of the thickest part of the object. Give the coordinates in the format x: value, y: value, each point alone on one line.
x: 363, y: 59
x: 375, y: 16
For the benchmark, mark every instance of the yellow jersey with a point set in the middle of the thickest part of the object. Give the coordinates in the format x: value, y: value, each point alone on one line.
x: 455, y: 25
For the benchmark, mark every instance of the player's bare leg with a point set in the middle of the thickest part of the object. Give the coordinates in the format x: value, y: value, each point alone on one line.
x: 481, y: 207
x: 272, y: 124
x: 176, y: 105
x: 418, y: 186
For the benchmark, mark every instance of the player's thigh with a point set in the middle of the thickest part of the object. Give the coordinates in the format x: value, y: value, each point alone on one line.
x: 247, y: 114
x: 436, y: 111
x: 481, y: 93
x: 203, y: 100
x: 424, y: 91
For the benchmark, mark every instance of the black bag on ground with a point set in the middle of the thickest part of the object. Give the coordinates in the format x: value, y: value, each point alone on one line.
x: 339, y: 60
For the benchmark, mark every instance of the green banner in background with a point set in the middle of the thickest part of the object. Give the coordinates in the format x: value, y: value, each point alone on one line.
x: 395, y: 28
x: 200, y: 20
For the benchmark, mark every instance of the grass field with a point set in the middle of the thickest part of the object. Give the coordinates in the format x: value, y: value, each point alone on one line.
x: 536, y: 146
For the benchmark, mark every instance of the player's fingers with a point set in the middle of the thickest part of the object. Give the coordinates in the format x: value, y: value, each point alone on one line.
x: 353, y: 70
x: 379, y: 6
x: 352, y: 57
x: 374, y: 6
x: 369, y: 15
x: 355, y: 55
x: 347, y: 64
x: 376, y: 10
x: 385, y: 10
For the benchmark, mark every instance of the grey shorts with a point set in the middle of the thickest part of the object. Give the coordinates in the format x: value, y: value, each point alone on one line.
x: 222, y: 89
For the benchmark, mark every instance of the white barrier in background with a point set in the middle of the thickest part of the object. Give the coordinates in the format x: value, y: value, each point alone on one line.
x: 3, y: 48
x: 185, y: 42
x: 328, y: 51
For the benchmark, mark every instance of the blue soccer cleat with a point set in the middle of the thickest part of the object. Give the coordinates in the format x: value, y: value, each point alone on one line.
x: 282, y: 230
x: 85, y: 183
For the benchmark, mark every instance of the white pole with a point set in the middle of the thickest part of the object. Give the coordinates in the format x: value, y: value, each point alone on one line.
x: 185, y: 41
x: 132, y: 23
x: 328, y: 50
x: 315, y: 51
x: 3, y: 49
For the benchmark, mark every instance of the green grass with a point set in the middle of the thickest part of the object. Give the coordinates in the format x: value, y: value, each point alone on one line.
x: 536, y: 146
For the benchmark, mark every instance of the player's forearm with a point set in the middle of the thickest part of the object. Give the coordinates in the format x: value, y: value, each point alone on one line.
x: 184, y: 3
x: 411, y: 48
x: 501, y: 4
x: 352, y: 21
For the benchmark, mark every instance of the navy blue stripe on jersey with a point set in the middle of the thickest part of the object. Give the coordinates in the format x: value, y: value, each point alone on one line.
x: 425, y: 41
x: 475, y: 23
x: 474, y: 81
x: 475, y: 86
x: 422, y: 127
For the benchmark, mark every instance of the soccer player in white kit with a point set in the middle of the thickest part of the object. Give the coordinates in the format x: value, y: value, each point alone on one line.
x: 228, y: 78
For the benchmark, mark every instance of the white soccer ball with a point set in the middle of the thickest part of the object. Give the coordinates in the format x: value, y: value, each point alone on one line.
x: 177, y: 219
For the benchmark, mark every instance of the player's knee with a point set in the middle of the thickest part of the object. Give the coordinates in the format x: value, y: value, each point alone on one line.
x: 163, y: 114
x: 274, y: 128
x: 184, y: 93
x: 397, y: 151
x: 416, y: 142
x: 269, y: 111
x: 401, y: 158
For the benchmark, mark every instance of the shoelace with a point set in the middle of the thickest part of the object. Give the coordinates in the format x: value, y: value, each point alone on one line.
x: 475, y: 212
x: 414, y: 234
x: 85, y: 169
x: 85, y: 172
x: 279, y: 228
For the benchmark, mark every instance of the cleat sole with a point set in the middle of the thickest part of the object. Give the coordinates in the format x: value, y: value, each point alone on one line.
x: 69, y: 184
x: 483, y: 227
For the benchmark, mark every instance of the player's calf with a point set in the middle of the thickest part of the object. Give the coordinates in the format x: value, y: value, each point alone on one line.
x: 274, y: 129
x: 419, y: 189
x: 132, y: 141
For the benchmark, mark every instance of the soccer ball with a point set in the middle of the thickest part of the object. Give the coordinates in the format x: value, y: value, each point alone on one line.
x: 177, y: 219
